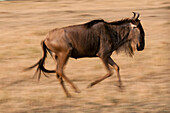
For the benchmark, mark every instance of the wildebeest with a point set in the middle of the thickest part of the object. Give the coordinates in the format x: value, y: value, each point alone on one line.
x: 96, y: 38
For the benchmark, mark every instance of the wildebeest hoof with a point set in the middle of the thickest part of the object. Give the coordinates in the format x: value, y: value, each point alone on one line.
x: 68, y: 95
x: 121, y: 88
x: 77, y: 91
x: 89, y: 86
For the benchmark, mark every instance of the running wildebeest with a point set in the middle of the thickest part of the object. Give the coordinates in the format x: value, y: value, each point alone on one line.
x: 96, y: 38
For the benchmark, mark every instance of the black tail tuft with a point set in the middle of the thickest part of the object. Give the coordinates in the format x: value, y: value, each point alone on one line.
x: 40, y: 64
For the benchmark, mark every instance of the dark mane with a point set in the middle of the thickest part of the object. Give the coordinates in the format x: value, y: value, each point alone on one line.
x: 119, y: 22
x: 126, y: 20
x: 93, y: 22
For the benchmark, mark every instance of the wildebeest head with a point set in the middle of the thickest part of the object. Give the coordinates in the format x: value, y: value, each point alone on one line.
x: 138, y: 32
x: 131, y: 28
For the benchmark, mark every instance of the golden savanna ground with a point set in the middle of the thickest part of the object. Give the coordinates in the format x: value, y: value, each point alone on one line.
x: 146, y: 76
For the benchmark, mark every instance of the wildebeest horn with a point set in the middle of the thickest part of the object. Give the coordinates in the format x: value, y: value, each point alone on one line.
x: 138, y: 15
x: 135, y: 15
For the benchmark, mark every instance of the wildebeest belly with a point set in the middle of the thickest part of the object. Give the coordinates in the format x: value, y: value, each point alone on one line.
x: 76, y: 53
x: 85, y: 48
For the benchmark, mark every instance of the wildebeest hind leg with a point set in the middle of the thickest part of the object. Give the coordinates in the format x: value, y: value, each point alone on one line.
x: 60, y: 78
x: 105, y: 61
x: 61, y: 60
x: 63, y: 86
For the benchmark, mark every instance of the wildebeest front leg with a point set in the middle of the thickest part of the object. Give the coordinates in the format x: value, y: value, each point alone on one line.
x: 105, y: 61
x: 116, y: 67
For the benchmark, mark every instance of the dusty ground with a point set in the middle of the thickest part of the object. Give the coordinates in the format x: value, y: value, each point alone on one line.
x: 146, y: 76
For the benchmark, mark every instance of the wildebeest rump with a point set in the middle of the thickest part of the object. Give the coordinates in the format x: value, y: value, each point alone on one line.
x: 96, y: 38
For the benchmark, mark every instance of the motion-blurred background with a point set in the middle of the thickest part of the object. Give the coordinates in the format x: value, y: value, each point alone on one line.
x: 146, y: 76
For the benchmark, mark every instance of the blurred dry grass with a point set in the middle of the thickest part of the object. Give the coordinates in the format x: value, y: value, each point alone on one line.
x: 23, y: 24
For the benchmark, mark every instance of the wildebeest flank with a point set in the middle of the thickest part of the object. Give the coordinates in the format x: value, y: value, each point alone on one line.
x: 96, y: 38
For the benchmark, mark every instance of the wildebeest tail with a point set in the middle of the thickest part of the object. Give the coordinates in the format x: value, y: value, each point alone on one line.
x: 41, y: 63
